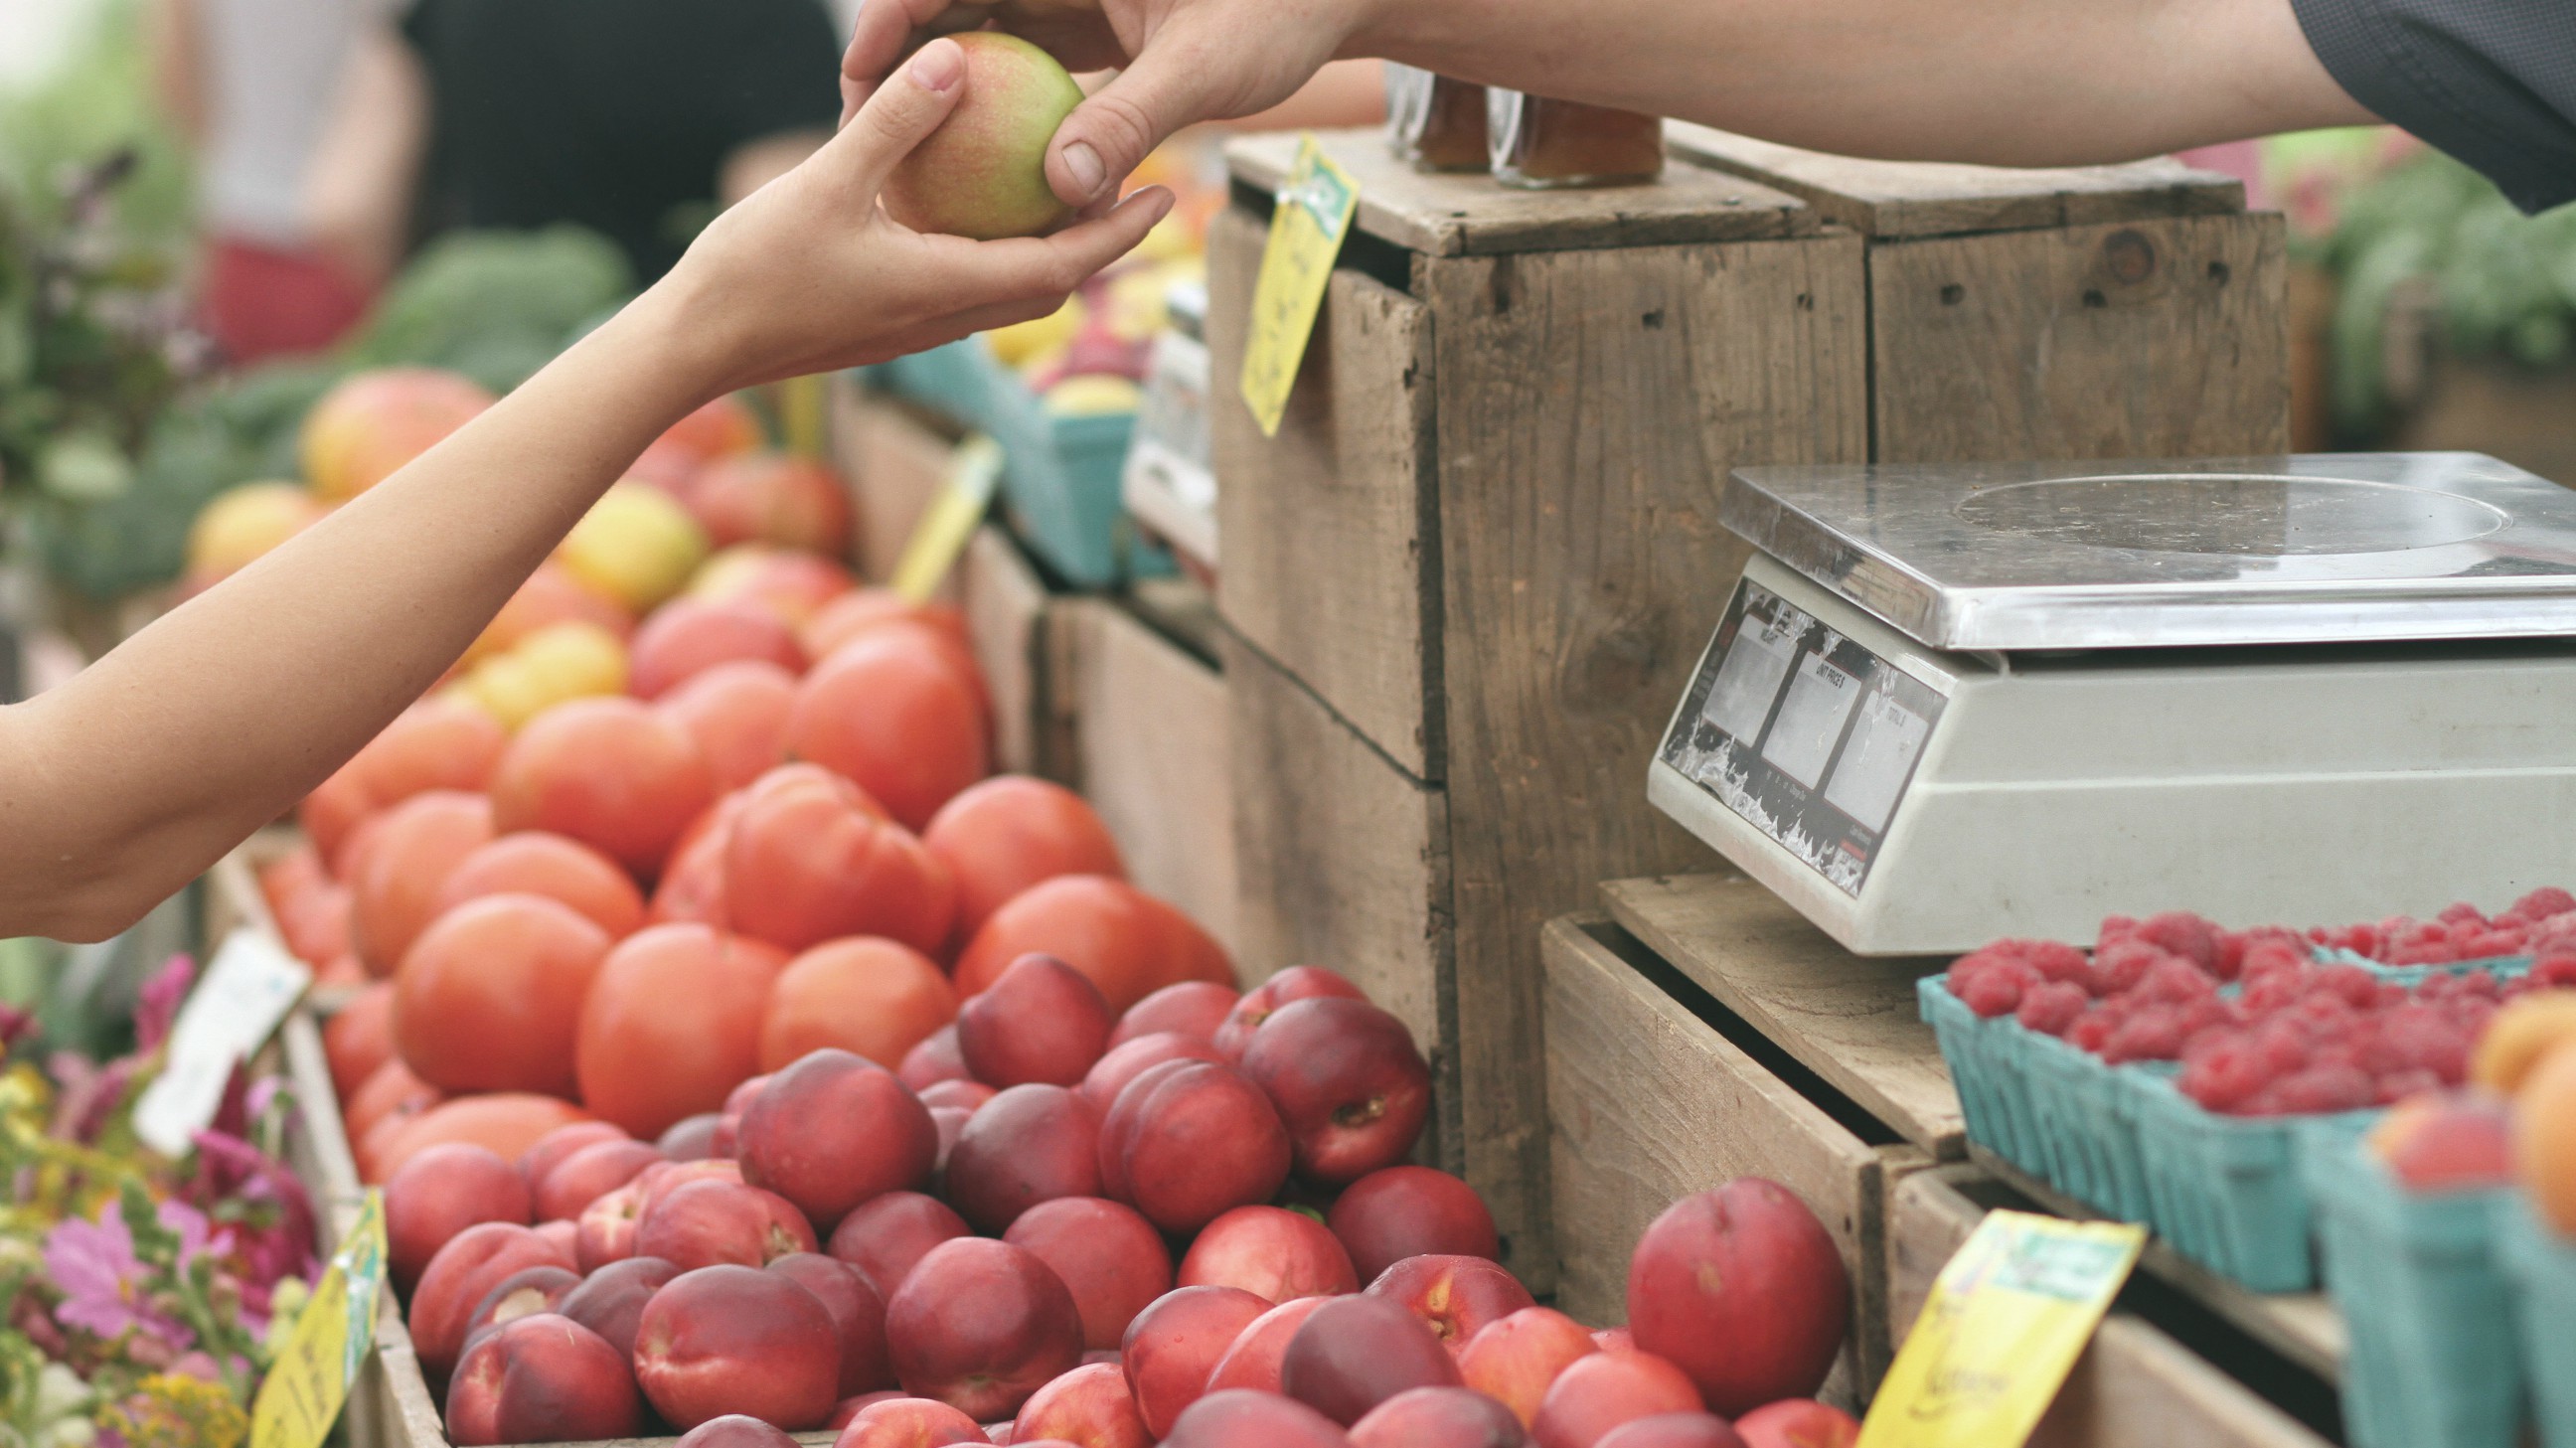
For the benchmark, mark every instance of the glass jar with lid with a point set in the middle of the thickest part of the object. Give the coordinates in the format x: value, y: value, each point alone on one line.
x: 1540, y: 143
x: 1436, y: 123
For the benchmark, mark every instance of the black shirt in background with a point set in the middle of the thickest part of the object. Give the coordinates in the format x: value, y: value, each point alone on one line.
x: 612, y: 114
x: 2492, y: 82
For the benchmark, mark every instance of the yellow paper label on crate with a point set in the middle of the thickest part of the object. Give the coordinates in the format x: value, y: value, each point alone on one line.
x: 1306, y: 230
x: 974, y: 469
x: 2003, y: 1327
x: 302, y: 1395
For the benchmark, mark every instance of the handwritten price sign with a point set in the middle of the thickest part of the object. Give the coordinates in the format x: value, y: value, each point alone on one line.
x: 1306, y: 230
x: 2005, y: 1323
x: 306, y: 1387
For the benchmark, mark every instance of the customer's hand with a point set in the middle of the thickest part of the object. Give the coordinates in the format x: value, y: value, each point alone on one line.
x: 1182, y: 62
x: 808, y: 274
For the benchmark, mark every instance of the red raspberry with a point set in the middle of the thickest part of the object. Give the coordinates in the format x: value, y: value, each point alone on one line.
x: 2321, y: 1089
x: 2492, y: 944
x: 2553, y: 936
x: 2051, y: 1007
x: 2395, y: 1086
x: 2239, y: 949
x: 2186, y: 935
x: 2119, y: 966
x: 1995, y: 990
x: 2224, y: 1076
x: 2114, y: 927
x: 2356, y: 986
x: 2175, y: 981
x: 2059, y: 962
x: 2461, y: 912
x: 2271, y: 988
x: 2551, y: 972
x: 2095, y: 1026
x: 2417, y: 1037
x: 2152, y: 1033
x: 2545, y: 903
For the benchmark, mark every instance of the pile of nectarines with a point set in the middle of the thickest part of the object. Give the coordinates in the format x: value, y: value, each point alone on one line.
x: 1192, y: 1222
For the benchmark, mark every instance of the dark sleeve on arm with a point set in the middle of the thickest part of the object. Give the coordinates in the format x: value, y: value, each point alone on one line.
x: 2492, y: 82
x: 781, y: 72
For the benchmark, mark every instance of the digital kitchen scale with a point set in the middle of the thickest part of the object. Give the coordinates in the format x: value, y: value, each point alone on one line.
x: 1951, y: 703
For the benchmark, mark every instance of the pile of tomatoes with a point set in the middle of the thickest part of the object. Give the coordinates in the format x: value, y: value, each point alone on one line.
x: 780, y: 834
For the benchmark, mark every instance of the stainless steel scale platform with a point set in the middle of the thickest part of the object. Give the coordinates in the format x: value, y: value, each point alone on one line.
x: 1948, y: 703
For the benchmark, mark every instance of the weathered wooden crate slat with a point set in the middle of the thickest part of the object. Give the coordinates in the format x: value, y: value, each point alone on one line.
x: 1649, y: 1102
x: 1851, y: 1019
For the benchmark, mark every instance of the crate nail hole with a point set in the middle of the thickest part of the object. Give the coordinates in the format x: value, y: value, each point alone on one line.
x: 1654, y: 320
x: 1806, y: 301
x: 2096, y: 299
x: 2218, y: 272
x: 1953, y: 294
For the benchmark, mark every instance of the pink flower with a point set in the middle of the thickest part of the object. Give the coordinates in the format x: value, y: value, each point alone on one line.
x: 156, y: 1005
x: 102, y: 1282
x: 272, y: 1224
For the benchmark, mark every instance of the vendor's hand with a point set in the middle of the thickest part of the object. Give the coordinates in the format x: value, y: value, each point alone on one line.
x: 1184, y: 61
x: 808, y: 274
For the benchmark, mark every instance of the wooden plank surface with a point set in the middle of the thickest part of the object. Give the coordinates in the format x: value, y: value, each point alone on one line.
x: 1330, y: 539
x: 1472, y: 215
x: 2304, y: 1327
x: 1932, y: 198
x: 2135, y: 1387
x: 1591, y: 404
x: 2142, y: 339
x: 895, y: 463
x: 1153, y: 732
x: 1850, y: 1019
x: 1007, y: 608
x: 1647, y: 1104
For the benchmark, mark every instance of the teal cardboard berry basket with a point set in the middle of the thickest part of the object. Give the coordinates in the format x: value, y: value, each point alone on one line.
x: 1989, y: 1063
x: 2541, y: 1266
x: 2228, y: 1191
x: 2425, y: 1297
x: 1060, y: 488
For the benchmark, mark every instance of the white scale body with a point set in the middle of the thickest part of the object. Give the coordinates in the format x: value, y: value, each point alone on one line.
x: 1948, y: 704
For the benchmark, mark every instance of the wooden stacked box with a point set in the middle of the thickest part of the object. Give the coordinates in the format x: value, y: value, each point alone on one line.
x: 1468, y: 578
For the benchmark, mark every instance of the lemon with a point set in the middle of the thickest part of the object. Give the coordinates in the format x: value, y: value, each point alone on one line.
x: 551, y: 666
x: 1092, y: 395
x: 1017, y: 343
x: 241, y: 523
x: 636, y: 545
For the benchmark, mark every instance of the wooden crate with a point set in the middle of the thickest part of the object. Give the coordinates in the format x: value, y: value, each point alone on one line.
x: 1649, y: 1100
x: 1484, y: 548
x: 1152, y: 754
x: 2135, y: 1387
x: 2103, y: 311
x: 1021, y: 636
x: 1484, y: 541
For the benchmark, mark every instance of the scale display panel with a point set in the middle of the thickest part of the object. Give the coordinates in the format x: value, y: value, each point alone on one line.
x: 1802, y: 731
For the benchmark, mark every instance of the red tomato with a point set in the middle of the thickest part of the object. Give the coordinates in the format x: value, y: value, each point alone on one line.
x: 608, y: 772
x: 688, y: 636
x: 891, y: 711
x: 877, y: 998
x: 489, y: 995
x: 1010, y: 832
x: 533, y: 862
x: 738, y: 714
x: 854, y: 613
x: 359, y: 1038
x: 395, y: 890
x: 1128, y: 942
x: 827, y: 864
x: 672, y: 1025
x: 693, y: 885
x: 507, y: 1122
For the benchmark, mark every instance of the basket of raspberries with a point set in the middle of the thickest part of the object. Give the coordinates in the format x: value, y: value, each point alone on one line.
x: 2170, y: 1075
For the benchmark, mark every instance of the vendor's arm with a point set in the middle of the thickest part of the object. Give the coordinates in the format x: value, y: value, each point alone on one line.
x: 2008, y: 82
x: 119, y: 786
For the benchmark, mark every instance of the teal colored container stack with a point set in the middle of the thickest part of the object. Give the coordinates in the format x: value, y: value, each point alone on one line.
x: 1060, y: 475
x: 2228, y: 1191
x: 2541, y: 1265
x: 2091, y: 1127
x: 1988, y: 1062
x: 2425, y: 1296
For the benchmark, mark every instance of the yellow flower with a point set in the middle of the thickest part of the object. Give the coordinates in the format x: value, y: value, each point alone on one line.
x: 172, y: 1411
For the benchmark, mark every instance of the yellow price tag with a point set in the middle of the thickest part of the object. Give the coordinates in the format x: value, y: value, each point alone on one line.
x: 2003, y: 1327
x: 1306, y: 230
x: 302, y: 1395
x: 974, y: 469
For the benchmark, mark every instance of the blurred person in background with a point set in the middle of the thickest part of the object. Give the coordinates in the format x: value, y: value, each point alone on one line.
x: 251, y: 85
x: 639, y: 119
